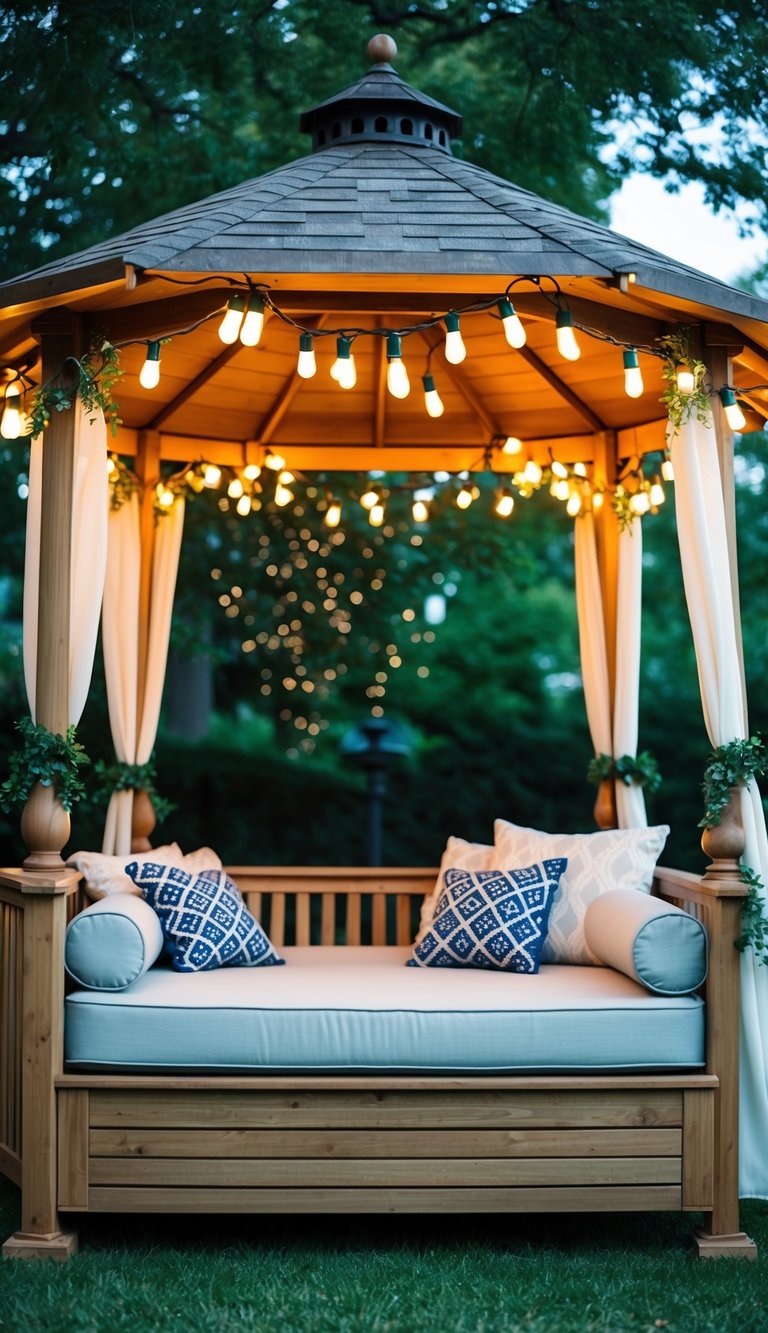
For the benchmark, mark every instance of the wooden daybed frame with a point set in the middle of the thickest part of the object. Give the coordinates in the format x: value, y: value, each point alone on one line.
x: 90, y: 1143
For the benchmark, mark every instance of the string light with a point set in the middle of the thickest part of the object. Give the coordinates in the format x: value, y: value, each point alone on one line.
x: 633, y: 377
x: 573, y: 506
x: 333, y: 514
x: 211, y: 475
x: 465, y: 496
x: 567, y: 345
x: 558, y: 469
x: 165, y: 496
x: 532, y: 473
x: 432, y: 400
x: 229, y: 328
x: 512, y: 446
x: 420, y: 510
x: 667, y: 468
x: 513, y: 328
x: 397, y: 376
x: 343, y: 370
x: 376, y: 515
x: 149, y: 375
x: 369, y: 498
x: 560, y: 489
x: 657, y: 496
x: 13, y: 421
x: 597, y: 499
x: 686, y: 380
x: 307, y: 364
x: 252, y: 326
x: 243, y: 506
x: 505, y: 502
x: 283, y: 495
x: 252, y: 472
x: 455, y: 350
x: 579, y: 469
x: 640, y: 503
x: 733, y: 413
x: 235, y: 488
x: 275, y: 462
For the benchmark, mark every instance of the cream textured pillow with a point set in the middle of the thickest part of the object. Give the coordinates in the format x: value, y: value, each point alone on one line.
x: 458, y: 855
x: 597, y: 864
x: 105, y: 875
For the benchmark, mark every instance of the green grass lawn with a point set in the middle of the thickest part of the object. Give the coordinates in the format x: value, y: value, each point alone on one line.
x: 473, y: 1275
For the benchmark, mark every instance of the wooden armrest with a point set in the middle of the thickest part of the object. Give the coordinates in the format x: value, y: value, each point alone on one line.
x: 47, y: 884
x: 682, y: 885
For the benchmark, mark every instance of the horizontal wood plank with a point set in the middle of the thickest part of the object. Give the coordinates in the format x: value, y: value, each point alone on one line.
x: 372, y: 1110
x: 384, y: 1143
x: 558, y: 1199
x: 296, y: 1173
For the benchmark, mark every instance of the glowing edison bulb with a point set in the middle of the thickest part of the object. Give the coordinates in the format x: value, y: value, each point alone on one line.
x: 149, y: 375
x: 286, y: 477
x: 333, y: 514
x: 667, y: 470
x: 560, y: 489
x: 633, y: 376
x: 597, y: 499
x: 559, y: 469
x: 432, y: 400
x: 573, y: 506
x: 10, y: 427
x: 252, y: 326
x: 397, y: 376
x: 376, y: 515
x: 580, y: 469
x: 211, y: 475
x: 505, y: 503
x: 283, y: 495
x: 275, y: 462
x: 512, y: 446
x: 464, y: 497
x: 420, y: 511
x: 455, y: 351
x: 686, y: 380
x: 252, y: 472
x: 343, y: 370
x: 513, y: 329
x: 165, y: 496
x: 369, y: 499
x: 229, y: 328
x: 235, y: 488
x: 640, y: 503
x: 733, y: 413
x: 657, y: 496
x: 307, y: 365
x: 567, y: 345
x: 111, y: 465
x: 243, y: 506
x: 531, y: 473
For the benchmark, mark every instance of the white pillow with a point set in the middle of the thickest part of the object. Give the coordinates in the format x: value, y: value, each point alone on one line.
x: 458, y: 855
x: 105, y: 875
x: 597, y: 863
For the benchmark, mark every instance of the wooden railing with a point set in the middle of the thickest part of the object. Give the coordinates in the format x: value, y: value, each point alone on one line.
x: 11, y: 1010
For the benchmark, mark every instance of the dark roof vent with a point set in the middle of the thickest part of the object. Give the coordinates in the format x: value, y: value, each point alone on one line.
x: 380, y: 107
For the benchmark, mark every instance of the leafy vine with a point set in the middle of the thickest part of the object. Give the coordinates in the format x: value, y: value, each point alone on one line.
x: 683, y: 406
x: 121, y: 776
x: 732, y: 765
x: 48, y: 758
x: 641, y: 769
x: 97, y: 374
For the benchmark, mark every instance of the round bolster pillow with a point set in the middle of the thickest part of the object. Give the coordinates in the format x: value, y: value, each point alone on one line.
x: 650, y: 940
x: 112, y: 942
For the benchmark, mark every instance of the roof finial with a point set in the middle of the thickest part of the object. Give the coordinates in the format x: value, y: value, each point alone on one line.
x: 382, y: 49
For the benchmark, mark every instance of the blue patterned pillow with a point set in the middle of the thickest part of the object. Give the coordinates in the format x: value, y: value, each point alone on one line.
x: 496, y: 919
x: 205, y: 921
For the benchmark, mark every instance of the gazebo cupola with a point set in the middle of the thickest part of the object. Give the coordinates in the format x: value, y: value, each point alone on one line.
x: 381, y: 107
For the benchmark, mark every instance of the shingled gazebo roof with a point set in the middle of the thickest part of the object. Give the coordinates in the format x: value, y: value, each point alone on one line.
x: 382, y: 218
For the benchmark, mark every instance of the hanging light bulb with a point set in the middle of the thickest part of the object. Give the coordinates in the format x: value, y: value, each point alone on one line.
x: 211, y: 475
x: 560, y: 489
x: 194, y: 479
x: 243, y: 506
x: 558, y: 469
x: 640, y: 503
x: 286, y: 478
x: 343, y: 370
x: 513, y: 329
x: 512, y: 446
x: 633, y: 376
x: 12, y: 422
x: 733, y: 413
x: 275, y: 462
x: 657, y: 496
x: 397, y: 376
x: 505, y: 502
x: 111, y: 465
x: 235, y: 488
x: 531, y: 473
x: 686, y: 380
x: 253, y: 325
x: 455, y: 351
x: 149, y: 375
x: 229, y: 328
x: 165, y: 496
x: 420, y: 511
x: 567, y: 345
x: 667, y: 469
x: 573, y: 506
x: 369, y: 498
x: 597, y: 499
x: 283, y: 495
x: 579, y: 469
x: 376, y: 515
x: 465, y: 496
x: 252, y: 472
x: 333, y: 514
x: 307, y: 366
x: 432, y: 400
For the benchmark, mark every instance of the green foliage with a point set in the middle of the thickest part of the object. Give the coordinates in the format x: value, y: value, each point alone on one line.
x: 121, y: 776
x: 123, y: 483
x: 732, y: 765
x: 641, y: 769
x: 682, y: 406
x: 93, y: 381
x: 48, y: 758
x: 754, y: 923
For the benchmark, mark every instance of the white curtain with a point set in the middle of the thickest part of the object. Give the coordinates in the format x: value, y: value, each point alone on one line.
x: 133, y: 721
x: 594, y: 661
x: 705, y: 560
x: 90, y: 503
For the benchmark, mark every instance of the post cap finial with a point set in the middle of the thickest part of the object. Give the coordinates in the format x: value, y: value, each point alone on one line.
x: 382, y: 49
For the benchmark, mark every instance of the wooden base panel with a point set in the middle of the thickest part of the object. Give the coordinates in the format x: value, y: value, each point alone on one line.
x: 59, y: 1246
x: 736, y: 1246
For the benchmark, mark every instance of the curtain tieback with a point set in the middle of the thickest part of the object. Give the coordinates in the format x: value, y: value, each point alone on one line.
x: 642, y: 770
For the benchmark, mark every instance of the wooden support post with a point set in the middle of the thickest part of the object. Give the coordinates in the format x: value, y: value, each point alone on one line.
x: 40, y: 1235
x: 44, y: 822
x: 607, y: 533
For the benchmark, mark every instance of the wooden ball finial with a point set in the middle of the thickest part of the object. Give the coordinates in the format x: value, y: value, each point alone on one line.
x: 382, y: 49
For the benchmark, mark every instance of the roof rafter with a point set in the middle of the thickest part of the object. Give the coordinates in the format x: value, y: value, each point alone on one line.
x: 467, y: 391
x: 561, y: 388
x: 191, y: 388
x: 269, y: 423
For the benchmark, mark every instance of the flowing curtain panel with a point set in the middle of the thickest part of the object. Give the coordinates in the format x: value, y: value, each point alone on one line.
x: 90, y: 504
x: 630, y: 801
x: 704, y: 554
x: 134, y: 721
x: 594, y: 661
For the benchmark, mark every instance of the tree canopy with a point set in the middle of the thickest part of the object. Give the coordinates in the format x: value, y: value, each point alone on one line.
x: 112, y: 115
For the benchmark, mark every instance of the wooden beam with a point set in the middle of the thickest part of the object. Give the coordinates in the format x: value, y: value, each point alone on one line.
x: 380, y: 392
x: 190, y: 389
x: 153, y: 319
x: 470, y: 395
x: 561, y: 388
x: 269, y: 423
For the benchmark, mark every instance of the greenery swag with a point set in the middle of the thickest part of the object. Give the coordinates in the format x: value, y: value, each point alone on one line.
x: 121, y: 776
x: 733, y: 765
x: 97, y: 374
x: 46, y: 757
x: 683, y: 406
x: 641, y: 769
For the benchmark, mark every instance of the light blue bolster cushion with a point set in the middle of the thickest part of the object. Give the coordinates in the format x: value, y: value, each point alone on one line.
x: 112, y: 942
x: 650, y: 940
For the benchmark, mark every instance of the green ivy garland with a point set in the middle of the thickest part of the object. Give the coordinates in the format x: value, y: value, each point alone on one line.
x: 97, y: 374
x: 682, y: 406
x: 733, y: 765
x: 641, y: 769
x: 122, y: 776
x: 46, y: 757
